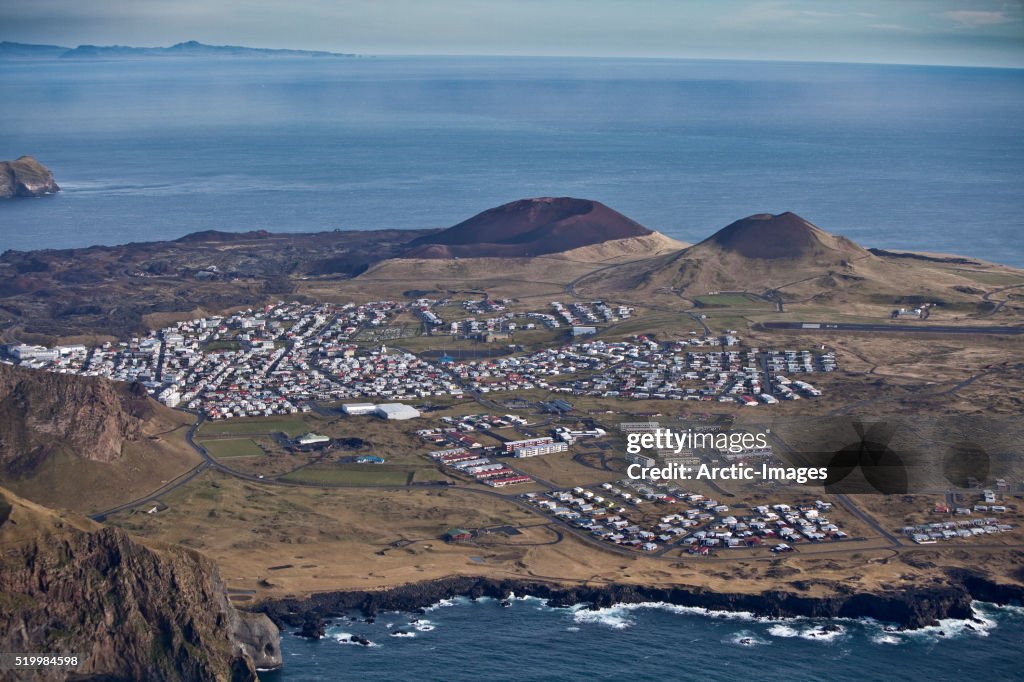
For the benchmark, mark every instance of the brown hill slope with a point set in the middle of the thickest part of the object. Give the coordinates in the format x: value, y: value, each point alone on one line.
x: 529, y: 227
x: 757, y: 253
x: 510, y: 277
x: 25, y: 177
x: 130, y: 611
x: 790, y: 258
x: 82, y: 442
x: 783, y: 236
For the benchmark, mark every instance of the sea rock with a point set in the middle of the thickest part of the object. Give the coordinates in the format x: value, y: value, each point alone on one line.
x: 257, y: 638
x: 312, y: 628
x: 25, y: 177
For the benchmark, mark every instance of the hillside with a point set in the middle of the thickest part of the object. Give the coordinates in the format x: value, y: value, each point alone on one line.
x: 110, y: 290
x: 105, y: 293
x: 786, y: 236
x: 512, y: 277
x: 788, y: 258
x: 25, y: 177
x: 130, y: 611
x: 82, y: 442
x: 529, y: 227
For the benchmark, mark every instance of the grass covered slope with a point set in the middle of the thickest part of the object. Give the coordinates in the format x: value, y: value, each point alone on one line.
x: 789, y: 258
x: 85, y: 443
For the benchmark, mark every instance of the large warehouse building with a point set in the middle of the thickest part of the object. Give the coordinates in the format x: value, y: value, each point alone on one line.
x: 384, y: 410
x: 353, y: 409
x: 397, y: 411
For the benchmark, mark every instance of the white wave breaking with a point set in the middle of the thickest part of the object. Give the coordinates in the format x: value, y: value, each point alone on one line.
x: 746, y: 638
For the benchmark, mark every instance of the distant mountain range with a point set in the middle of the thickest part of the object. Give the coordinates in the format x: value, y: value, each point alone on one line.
x: 190, y: 48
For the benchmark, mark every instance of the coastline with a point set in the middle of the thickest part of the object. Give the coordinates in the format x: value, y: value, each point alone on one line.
x: 910, y: 609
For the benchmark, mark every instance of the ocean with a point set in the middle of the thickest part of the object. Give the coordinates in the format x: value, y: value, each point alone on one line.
x: 465, y: 641
x: 898, y: 157
x: 903, y: 157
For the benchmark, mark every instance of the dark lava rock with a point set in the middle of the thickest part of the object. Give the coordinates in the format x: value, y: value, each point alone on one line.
x: 312, y: 628
x: 913, y: 607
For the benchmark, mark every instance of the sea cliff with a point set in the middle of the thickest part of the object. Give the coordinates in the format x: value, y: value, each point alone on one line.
x: 912, y: 608
x: 127, y: 610
x: 25, y: 177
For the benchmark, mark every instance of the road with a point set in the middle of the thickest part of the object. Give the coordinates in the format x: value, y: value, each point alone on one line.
x: 156, y: 494
x: 210, y: 463
x: 697, y: 318
x: 999, y: 303
x: 554, y: 523
x: 887, y: 328
x: 844, y: 500
x: 570, y: 288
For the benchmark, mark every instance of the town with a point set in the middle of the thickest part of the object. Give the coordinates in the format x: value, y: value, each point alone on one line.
x: 352, y: 360
x: 283, y: 358
x: 697, y: 523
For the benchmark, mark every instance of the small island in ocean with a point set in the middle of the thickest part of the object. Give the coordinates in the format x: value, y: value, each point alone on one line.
x: 189, y: 48
x: 25, y: 177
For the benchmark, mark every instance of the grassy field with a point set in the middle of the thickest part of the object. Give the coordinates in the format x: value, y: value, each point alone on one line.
x: 281, y: 541
x: 232, y: 447
x: 541, y: 337
x: 391, y: 333
x: 292, y: 426
x: 721, y: 319
x: 665, y: 323
x: 422, y: 343
x: 425, y: 475
x: 532, y: 339
x: 223, y: 344
x: 993, y: 278
x: 732, y: 300
x: 350, y: 475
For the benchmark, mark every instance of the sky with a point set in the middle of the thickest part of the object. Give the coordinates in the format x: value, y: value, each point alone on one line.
x: 964, y: 32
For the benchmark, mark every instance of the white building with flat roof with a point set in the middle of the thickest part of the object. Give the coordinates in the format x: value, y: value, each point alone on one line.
x: 359, y: 408
x: 312, y: 439
x: 541, y: 449
x: 397, y: 411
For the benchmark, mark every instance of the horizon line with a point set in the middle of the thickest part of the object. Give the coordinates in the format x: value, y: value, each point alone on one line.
x: 651, y: 57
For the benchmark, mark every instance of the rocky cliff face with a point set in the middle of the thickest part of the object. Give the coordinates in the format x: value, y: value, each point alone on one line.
x: 25, y: 177
x: 128, y: 610
x: 42, y: 412
x: 910, y: 608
